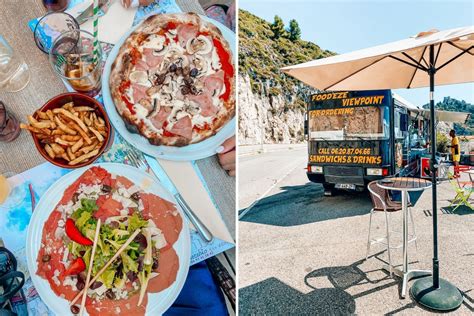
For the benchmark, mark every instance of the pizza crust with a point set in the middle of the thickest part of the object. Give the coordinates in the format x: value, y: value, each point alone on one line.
x: 123, y: 67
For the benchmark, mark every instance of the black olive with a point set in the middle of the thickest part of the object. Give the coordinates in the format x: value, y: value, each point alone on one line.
x: 106, y: 188
x: 96, y: 285
x: 194, y: 90
x: 160, y: 79
x: 135, y: 196
x: 132, y: 276
x: 75, y: 197
x: 75, y: 309
x: 131, y: 128
x: 80, y: 284
x: 82, y: 253
x: 46, y: 258
x: 188, y: 81
x: 110, y: 295
x: 185, y: 90
x: 194, y: 72
x: 141, y: 240
x: 173, y: 68
x: 114, y: 225
x: 155, y: 264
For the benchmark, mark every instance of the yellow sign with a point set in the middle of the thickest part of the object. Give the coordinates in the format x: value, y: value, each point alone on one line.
x: 372, y: 100
x: 345, y: 155
x: 368, y: 160
x: 331, y: 112
x: 329, y: 96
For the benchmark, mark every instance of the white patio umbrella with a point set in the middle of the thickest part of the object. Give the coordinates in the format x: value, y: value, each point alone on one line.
x: 432, y: 57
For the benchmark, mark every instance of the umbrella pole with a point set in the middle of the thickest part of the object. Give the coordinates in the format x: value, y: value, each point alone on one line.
x: 433, y: 292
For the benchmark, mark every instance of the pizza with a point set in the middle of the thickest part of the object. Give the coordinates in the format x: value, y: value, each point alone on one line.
x: 173, y: 80
x: 149, y: 264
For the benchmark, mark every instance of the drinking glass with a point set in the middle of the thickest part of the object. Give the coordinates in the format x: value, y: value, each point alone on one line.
x: 12, y: 190
x: 72, y: 57
x: 14, y: 74
x: 55, y: 5
x: 50, y: 26
x: 9, y: 126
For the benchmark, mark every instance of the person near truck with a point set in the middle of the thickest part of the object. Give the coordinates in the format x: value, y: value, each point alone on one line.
x: 455, y: 151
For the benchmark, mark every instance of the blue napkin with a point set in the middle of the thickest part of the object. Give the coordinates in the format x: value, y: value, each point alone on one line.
x: 200, y: 295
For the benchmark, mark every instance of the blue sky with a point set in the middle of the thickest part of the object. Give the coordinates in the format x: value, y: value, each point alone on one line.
x: 344, y: 26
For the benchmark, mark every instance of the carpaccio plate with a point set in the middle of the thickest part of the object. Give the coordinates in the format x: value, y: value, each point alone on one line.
x: 157, y: 302
x: 203, y: 149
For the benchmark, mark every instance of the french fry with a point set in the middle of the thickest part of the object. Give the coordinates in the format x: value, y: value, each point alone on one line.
x: 83, y: 157
x: 77, y: 145
x: 72, y: 117
x: 65, y: 157
x: 57, y: 132
x: 70, y: 138
x: 42, y: 115
x: 31, y: 128
x: 87, y: 149
x: 64, y: 127
x: 49, y: 151
x: 63, y: 142
x: 97, y: 134
x: 68, y: 105
x: 87, y: 120
x: 83, y: 108
x: 31, y: 119
x: 50, y: 115
x: 81, y: 132
x: 58, y: 150
x: 42, y: 124
x: 70, y: 154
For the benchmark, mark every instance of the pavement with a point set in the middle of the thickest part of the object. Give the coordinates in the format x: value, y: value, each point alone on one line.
x: 301, y: 253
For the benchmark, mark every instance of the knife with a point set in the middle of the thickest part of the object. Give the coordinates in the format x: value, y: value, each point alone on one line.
x: 201, y: 228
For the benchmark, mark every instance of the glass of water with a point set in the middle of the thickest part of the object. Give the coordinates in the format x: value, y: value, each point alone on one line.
x: 14, y: 74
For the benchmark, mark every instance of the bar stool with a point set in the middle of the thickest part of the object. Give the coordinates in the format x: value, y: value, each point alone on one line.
x: 381, y: 202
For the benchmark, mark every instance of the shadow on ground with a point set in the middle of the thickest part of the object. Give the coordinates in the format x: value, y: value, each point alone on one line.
x: 303, y: 204
x: 273, y: 297
x: 455, y: 210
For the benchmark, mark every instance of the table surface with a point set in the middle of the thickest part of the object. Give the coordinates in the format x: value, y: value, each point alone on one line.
x: 404, y: 184
x: 21, y: 154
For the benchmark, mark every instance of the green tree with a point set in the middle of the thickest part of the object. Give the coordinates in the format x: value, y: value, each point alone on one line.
x: 294, y: 31
x: 278, y: 27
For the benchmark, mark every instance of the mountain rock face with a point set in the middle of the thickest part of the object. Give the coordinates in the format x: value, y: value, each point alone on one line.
x: 271, y: 104
x: 264, y: 118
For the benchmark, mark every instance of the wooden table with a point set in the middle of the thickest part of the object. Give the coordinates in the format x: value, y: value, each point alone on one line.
x: 405, y: 185
x: 21, y: 154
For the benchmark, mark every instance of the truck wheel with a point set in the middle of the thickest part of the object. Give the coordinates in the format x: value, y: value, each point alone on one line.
x: 328, y: 189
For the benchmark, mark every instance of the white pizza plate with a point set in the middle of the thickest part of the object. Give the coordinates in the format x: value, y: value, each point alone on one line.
x: 159, y: 302
x: 200, y: 150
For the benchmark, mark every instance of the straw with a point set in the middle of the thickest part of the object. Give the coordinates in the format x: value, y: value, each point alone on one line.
x: 96, y: 31
x: 91, y: 263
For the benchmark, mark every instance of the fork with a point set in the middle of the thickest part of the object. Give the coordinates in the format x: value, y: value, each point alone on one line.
x: 202, y: 230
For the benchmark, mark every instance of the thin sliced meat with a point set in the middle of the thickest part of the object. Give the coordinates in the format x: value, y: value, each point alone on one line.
x: 125, y: 182
x: 186, y: 32
x: 214, y: 82
x: 139, y: 92
x: 141, y: 66
x: 183, y: 127
x: 164, y: 214
x: 91, y: 176
x: 168, y: 266
x: 159, y: 118
x: 117, y: 307
x: 204, y: 101
x: 151, y: 59
x: 108, y: 207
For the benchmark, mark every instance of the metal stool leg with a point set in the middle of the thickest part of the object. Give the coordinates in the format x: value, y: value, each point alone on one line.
x: 414, y: 231
x: 368, y: 238
x: 388, y: 243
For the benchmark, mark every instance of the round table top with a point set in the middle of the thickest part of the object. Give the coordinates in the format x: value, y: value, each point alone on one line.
x: 404, y: 184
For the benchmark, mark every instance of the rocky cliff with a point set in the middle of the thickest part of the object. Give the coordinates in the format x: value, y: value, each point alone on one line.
x: 271, y: 104
x: 266, y: 118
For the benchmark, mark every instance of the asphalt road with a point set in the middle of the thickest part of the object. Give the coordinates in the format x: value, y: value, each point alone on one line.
x: 302, y: 253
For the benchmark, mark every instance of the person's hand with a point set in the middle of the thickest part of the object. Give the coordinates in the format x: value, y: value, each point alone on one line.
x: 226, y: 154
x: 135, y: 3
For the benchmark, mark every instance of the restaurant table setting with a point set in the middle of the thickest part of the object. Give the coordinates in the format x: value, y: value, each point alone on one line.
x: 178, y: 178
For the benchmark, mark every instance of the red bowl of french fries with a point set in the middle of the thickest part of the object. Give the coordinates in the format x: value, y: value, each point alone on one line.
x: 71, y: 130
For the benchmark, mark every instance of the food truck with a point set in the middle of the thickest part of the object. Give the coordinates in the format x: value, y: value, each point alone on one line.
x: 355, y: 137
